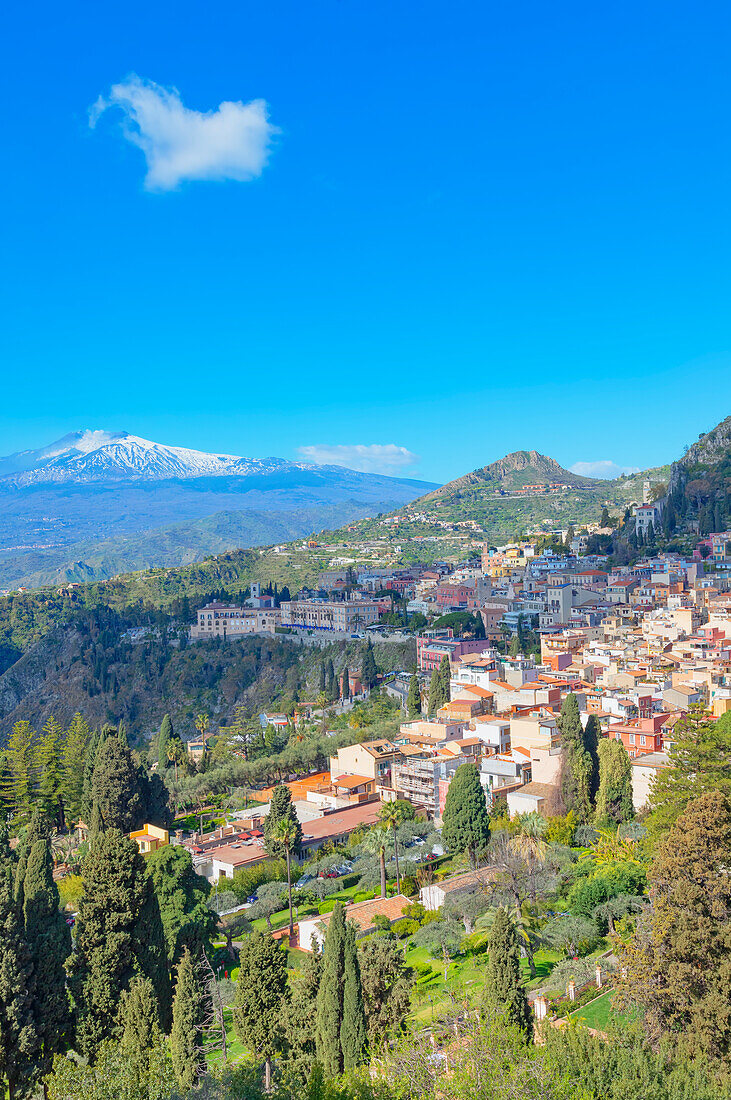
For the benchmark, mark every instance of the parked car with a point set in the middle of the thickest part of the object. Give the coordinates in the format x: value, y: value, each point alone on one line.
x: 304, y: 881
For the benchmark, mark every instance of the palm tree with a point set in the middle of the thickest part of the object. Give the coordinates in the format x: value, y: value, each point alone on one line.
x: 174, y: 754
x: 391, y: 816
x: 530, y: 841
x: 202, y: 723
x: 376, y: 841
x: 285, y: 832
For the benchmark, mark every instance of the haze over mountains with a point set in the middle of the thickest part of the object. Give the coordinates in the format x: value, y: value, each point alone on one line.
x: 96, y: 503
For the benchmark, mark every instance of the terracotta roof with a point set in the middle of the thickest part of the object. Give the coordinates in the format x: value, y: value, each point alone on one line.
x: 341, y: 821
x: 351, y: 781
x: 479, y: 877
x: 363, y: 913
x: 537, y: 790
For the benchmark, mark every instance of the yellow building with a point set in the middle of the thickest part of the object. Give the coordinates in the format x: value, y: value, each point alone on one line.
x: 149, y: 838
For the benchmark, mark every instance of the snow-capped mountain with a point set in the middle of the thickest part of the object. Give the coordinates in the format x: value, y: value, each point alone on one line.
x: 95, y: 455
x: 60, y: 505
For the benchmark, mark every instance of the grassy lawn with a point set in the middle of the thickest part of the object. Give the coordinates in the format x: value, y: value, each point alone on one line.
x: 465, y: 979
x: 598, y: 1013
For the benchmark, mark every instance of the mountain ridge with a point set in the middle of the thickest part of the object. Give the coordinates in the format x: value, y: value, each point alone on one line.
x: 97, y: 455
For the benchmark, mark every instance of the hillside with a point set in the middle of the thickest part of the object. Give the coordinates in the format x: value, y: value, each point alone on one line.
x: 179, y: 544
x: 515, y: 471
x: 700, y: 484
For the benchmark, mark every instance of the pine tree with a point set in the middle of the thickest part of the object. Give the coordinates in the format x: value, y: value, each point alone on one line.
x: 503, y: 988
x: 677, y: 967
x: 108, y: 940
x: 49, y: 942
x: 345, y: 691
x: 700, y: 761
x: 330, y: 996
x: 280, y: 807
x: 49, y: 750
x: 19, y: 1042
x: 368, y: 668
x: 72, y: 768
x: 577, y: 767
x: 466, y: 822
x: 260, y: 998
x: 413, y: 701
x: 353, y: 1037
x: 188, y: 1019
x: 614, y: 799
x: 20, y: 757
x: 165, y: 734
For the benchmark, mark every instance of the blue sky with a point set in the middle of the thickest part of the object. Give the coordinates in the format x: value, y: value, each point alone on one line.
x: 478, y: 227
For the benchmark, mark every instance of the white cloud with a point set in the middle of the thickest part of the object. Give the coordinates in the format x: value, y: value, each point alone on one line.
x: 602, y: 467
x: 372, y: 458
x: 229, y: 143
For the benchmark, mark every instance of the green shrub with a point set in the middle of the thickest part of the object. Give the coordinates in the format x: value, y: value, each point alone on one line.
x: 605, y: 883
x: 404, y: 927
x: 69, y: 890
x: 247, y: 880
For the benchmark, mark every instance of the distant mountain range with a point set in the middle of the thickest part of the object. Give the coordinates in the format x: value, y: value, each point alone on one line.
x: 96, y: 503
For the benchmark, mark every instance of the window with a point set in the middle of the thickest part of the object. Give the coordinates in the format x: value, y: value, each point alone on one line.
x: 642, y: 739
x: 631, y: 739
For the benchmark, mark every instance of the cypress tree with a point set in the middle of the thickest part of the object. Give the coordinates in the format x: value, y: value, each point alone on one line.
x: 466, y: 822
x: 299, y: 1016
x: 413, y: 701
x: 19, y: 1042
x: 139, y: 1023
x: 280, y: 807
x: 36, y: 829
x: 165, y: 734
x: 260, y: 998
x: 577, y: 767
x: 150, y: 950
x: 592, y: 737
x: 369, y: 669
x: 345, y: 692
x: 614, y: 800
x: 353, y: 1037
x: 109, y: 942
x: 439, y: 690
x: 503, y: 988
x: 188, y: 1018
x: 330, y: 996
x: 49, y: 942
x: 87, y: 802
x: 322, y: 683
x: 115, y: 787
